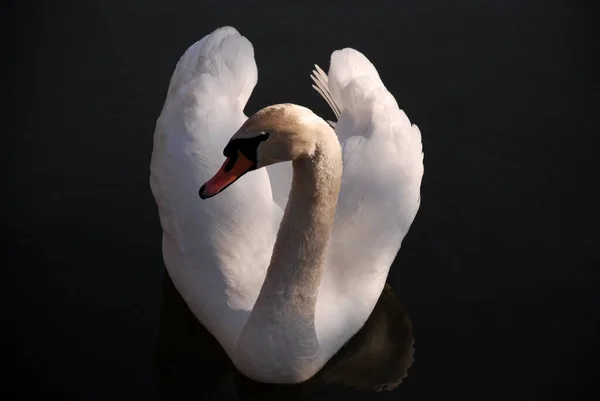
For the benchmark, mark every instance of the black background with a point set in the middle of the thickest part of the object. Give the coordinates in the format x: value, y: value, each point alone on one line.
x: 499, y: 270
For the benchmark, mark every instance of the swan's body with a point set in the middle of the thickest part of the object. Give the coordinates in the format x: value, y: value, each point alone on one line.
x: 329, y: 266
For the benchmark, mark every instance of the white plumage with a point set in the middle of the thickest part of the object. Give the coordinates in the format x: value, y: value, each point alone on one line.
x: 217, y: 251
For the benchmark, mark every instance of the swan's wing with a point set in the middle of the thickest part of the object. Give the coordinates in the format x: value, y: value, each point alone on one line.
x: 216, y: 250
x: 380, y: 192
x: 383, y: 165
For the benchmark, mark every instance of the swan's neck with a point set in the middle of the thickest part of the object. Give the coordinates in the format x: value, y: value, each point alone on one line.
x: 300, y: 250
x: 279, y: 339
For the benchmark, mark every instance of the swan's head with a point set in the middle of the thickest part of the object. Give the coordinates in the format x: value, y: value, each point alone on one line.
x: 274, y: 134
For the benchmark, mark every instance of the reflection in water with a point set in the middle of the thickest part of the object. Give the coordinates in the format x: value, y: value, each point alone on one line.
x: 193, y: 366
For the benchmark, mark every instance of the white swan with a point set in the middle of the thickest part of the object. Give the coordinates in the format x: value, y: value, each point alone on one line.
x: 282, y: 288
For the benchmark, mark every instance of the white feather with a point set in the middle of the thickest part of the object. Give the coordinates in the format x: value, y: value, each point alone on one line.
x: 217, y: 250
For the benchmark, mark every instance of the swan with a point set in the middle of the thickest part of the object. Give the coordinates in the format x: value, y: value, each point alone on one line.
x: 279, y: 229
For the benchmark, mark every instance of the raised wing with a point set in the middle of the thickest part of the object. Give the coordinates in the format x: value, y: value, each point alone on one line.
x: 380, y: 192
x: 216, y: 250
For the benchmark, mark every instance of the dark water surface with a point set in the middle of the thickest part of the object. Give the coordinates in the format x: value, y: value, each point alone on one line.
x: 496, y: 281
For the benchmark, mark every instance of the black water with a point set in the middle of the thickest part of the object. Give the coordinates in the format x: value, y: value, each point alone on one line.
x: 497, y: 277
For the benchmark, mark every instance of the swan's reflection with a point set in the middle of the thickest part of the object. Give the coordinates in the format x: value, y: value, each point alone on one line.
x: 193, y: 366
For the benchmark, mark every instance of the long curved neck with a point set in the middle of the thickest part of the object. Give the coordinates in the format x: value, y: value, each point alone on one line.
x: 281, y: 326
x: 299, y: 253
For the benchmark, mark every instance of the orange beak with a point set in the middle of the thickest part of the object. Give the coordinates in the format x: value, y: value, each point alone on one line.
x: 230, y: 171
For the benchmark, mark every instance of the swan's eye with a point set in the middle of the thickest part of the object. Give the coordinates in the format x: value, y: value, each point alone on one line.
x: 247, y: 146
x: 264, y: 136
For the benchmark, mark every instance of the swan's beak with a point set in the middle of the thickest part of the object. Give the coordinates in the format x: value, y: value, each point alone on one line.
x: 233, y: 168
